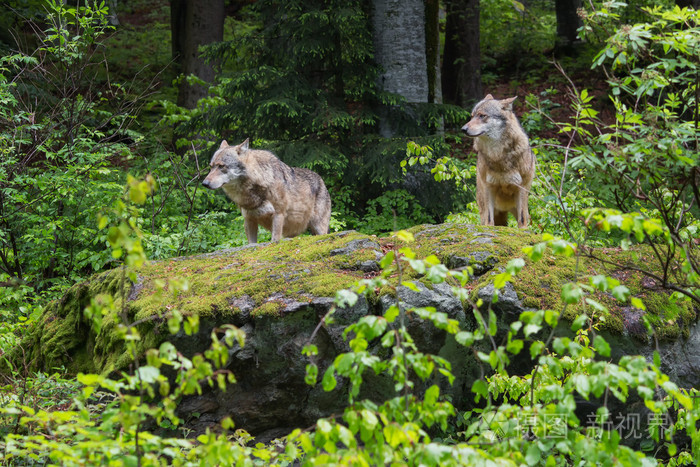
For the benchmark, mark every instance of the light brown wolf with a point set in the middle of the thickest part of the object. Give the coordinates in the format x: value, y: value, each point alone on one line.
x: 505, y: 164
x: 285, y: 200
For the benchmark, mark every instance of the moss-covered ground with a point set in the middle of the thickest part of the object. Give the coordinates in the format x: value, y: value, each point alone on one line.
x: 261, y: 279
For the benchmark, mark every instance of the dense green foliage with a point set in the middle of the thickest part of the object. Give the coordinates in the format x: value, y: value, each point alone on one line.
x: 301, y: 81
x: 305, y: 82
x: 62, y: 136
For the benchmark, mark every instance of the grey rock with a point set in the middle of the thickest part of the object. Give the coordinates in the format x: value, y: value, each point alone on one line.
x: 481, y: 262
x: 506, y: 302
x: 355, y: 245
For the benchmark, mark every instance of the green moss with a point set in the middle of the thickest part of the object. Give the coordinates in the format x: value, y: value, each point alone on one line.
x: 264, y: 279
x: 272, y: 308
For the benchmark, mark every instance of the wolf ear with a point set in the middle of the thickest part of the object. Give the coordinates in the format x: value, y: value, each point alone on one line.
x: 507, y: 104
x: 488, y: 96
x: 244, y: 145
x: 224, y: 144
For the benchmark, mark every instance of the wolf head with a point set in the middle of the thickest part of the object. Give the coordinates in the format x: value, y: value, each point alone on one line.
x: 226, y: 165
x: 489, y: 117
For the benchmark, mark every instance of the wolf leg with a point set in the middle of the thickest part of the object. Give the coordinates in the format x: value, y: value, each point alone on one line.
x: 490, y: 208
x: 521, y: 210
x: 251, y: 230
x: 277, y: 227
x: 484, y: 199
x: 319, y: 226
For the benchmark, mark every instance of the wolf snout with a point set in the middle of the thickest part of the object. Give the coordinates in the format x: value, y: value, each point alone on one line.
x: 206, y: 183
x: 470, y: 132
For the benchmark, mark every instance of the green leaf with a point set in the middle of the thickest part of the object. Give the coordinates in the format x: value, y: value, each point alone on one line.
x: 405, y: 236
x: 465, y: 338
x: 515, y: 265
x: 329, y: 381
x: 601, y: 346
x: 88, y: 379
x: 515, y: 346
x: 431, y: 395
x: 344, y: 362
x: 637, y: 303
x: 391, y: 313
x: 345, y: 298
x: 387, y: 260
x: 393, y: 435
x: 536, y: 349
x: 551, y: 317
x: 532, y: 457
x: 579, y: 322
x: 501, y: 279
x: 620, y: 292
x: 531, y: 329
x: 148, y: 374
x: 571, y: 293
x: 102, y: 222
x: 493, y: 323
x: 536, y: 251
x: 309, y: 350
x: 480, y: 388
x: 582, y: 385
x: 311, y: 374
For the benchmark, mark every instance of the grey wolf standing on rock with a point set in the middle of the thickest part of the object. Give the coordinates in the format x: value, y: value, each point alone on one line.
x: 285, y: 200
x: 505, y: 164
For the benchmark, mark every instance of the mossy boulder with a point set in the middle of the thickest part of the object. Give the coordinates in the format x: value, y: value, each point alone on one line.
x: 278, y: 293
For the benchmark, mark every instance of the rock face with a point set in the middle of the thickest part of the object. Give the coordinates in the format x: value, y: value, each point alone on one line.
x: 278, y: 294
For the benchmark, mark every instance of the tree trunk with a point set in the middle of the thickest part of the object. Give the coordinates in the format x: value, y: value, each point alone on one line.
x: 568, y: 21
x: 461, y: 66
x: 399, y: 44
x: 195, y: 23
x: 177, y: 30
x: 432, y: 50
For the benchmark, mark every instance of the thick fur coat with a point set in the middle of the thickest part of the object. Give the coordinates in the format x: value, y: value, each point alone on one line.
x: 285, y: 200
x: 505, y: 163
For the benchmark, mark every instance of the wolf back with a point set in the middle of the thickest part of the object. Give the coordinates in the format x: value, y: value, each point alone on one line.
x: 505, y: 162
x: 285, y: 200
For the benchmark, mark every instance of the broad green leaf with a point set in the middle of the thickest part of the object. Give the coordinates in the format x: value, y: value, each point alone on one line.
x: 465, y: 338
x: 391, y: 313
x: 536, y: 349
x: 480, y: 388
x: 620, y: 292
x: 329, y: 381
x: 532, y: 456
x: 515, y: 346
x: 601, y: 346
x: 579, y: 322
x: 637, y: 303
x: 493, y: 323
x: 148, y: 374
x: 571, y: 293
x: 405, y: 236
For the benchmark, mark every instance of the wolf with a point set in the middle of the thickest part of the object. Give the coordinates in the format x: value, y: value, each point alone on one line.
x: 285, y: 200
x: 505, y: 164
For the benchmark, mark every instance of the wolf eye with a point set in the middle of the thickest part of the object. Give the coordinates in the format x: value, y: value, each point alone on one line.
x: 481, y: 116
